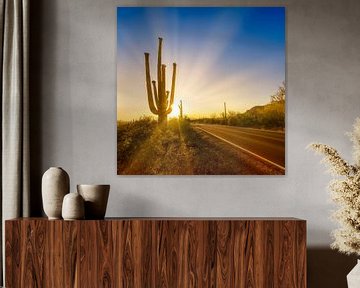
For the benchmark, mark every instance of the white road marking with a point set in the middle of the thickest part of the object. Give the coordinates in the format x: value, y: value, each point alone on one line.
x: 243, y: 149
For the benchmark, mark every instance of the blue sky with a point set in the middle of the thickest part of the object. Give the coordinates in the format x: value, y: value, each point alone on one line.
x: 232, y: 55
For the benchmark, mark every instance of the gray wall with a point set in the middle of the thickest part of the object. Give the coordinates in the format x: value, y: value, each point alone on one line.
x: 73, y: 86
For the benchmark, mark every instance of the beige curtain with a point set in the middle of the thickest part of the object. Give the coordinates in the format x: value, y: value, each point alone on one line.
x: 14, y: 38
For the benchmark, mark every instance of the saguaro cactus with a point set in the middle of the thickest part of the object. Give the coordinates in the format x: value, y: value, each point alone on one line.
x: 181, y: 109
x: 158, y: 96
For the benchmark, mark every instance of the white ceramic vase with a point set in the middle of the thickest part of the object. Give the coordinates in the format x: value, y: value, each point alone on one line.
x: 353, y: 278
x: 55, y: 185
x: 96, y: 198
x: 73, y: 207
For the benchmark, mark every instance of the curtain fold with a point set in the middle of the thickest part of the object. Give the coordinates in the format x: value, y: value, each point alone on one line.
x: 15, y: 162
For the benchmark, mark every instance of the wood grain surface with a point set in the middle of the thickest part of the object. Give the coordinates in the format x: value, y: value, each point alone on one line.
x: 160, y: 252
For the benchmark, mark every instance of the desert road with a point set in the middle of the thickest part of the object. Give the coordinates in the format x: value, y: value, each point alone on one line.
x: 266, y: 145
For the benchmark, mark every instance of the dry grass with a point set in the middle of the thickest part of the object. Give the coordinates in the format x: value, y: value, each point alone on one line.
x: 163, y: 153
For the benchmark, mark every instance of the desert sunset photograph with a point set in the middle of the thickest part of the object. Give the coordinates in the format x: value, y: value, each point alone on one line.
x: 201, y: 91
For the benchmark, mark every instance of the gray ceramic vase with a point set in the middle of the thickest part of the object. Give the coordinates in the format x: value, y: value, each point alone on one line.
x: 55, y: 185
x: 96, y: 198
x: 73, y: 207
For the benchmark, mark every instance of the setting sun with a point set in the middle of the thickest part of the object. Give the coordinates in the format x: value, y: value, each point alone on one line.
x: 175, y: 110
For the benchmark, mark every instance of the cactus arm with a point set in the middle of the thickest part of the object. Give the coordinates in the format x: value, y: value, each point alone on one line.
x: 172, y: 94
x: 168, y: 110
x: 163, y: 78
x: 148, y: 86
x: 167, y: 100
x: 155, y: 94
x: 163, y: 97
x: 159, y: 76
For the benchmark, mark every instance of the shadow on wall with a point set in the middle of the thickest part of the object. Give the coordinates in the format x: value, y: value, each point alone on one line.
x: 328, y: 268
x: 35, y: 64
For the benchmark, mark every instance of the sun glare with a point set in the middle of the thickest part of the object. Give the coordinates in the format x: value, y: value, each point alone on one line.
x: 175, y: 111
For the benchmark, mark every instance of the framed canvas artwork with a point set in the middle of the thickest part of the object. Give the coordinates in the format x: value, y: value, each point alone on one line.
x: 201, y: 90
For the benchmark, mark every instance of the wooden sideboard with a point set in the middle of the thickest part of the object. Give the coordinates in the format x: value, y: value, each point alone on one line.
x: 156, y: 252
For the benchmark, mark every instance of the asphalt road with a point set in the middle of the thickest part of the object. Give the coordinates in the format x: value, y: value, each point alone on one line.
x: 263, y: 144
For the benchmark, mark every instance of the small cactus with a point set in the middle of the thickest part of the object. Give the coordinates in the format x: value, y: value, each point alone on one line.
x: 181, y: 109
x: 158, y: 96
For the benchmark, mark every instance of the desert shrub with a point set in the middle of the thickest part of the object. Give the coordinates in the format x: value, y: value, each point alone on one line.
x: 164, y: 152
x: 130, y: 136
